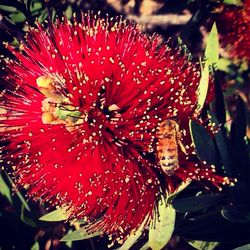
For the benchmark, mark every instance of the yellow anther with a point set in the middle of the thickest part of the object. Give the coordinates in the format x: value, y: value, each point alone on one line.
x: 47, y: 118
x: 45, y: 82
x: 113, y: 107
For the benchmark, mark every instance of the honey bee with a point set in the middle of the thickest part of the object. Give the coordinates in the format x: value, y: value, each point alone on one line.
x: 169, y: 138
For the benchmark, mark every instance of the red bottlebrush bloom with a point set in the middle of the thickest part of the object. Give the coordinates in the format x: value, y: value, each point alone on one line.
x: 90, y: 106
x: 234, y: 27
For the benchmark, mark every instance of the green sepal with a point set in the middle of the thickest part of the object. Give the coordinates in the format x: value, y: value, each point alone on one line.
x: 57, y: 215
x: 79, y: 234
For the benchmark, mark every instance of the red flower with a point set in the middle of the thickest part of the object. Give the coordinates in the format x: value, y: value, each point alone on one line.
x: 234, y: 26
x: 87, y: 105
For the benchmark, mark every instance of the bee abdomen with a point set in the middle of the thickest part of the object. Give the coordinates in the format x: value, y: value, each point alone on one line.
x: 169, y: 168
x: 167, y: 148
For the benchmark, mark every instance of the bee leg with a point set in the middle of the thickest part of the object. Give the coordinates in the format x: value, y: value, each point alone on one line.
x: 183, y: 149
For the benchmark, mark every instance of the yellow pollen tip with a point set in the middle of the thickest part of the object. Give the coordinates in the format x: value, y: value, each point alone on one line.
x: 47, y: 118
x: 45, y: 82
x: 113, y: 107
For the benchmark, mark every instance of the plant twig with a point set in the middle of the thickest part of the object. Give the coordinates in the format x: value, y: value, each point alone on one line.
x: 162, y: 20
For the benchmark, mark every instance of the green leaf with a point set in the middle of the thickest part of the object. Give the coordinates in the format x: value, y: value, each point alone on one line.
x: 203, y: 142
x: 233, y: 2
x: 69, y: 12
x: 236, y: 213
x: 53, y: 15
x: 18, y: 193
x: 196, y: 203
x: 211, y: 226
x: 212, y: 47
x: 15, y: 43
x: 184, y: 49
x: 80, y: 234
x: 8, y: 8
x: 36, y: 6
x: 203, y: 245
x: 17, y: 17
x: 202, y: 89
x: 240, y: 150
x: 68, y: 244
x: 35, y: 246
x: 212, y: 56
x: 5, y: 190
x: 218, y: 106
x: 56, y: 215
x: 43, y: 15
x: 180, y: 188
x: 145, y: 246
x: 162, y: 227
x: 223, y: 65
x: 245, y: 247
x: 133, y: 237
x: 222, y: 146
x: 27, y: 219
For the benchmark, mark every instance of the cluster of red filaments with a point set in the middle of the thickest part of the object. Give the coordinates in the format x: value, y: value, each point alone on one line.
x: 84, y: 102
x: 234, y: 27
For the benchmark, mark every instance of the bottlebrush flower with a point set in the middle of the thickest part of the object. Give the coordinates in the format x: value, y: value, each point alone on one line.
x: 86, y: 105
x: 234, y: 27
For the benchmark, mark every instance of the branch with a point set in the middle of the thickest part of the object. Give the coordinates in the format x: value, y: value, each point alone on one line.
x: 161, y: 20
